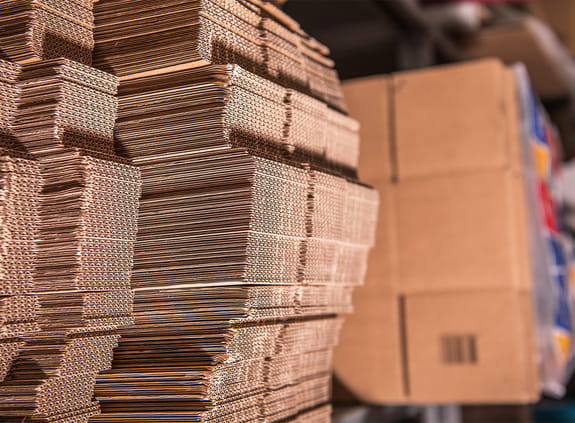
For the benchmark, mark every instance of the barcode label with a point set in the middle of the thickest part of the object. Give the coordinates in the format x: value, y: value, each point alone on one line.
x: 459, y: 349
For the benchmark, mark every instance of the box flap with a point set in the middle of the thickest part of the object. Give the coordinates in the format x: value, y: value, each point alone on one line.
x: 449, y: 119
x: 459, y: 232
x: 368, y: 101
x: 368, y: 359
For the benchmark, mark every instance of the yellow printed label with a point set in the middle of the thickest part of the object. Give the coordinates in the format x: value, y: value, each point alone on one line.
x: 542, y: 159
x: 564, y: 342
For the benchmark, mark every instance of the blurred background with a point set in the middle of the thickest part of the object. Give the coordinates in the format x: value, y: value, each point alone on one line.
x: 371, y: 37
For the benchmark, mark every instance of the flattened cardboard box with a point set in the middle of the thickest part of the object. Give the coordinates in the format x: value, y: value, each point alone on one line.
x: 423, y: 159
x: 451, y: 246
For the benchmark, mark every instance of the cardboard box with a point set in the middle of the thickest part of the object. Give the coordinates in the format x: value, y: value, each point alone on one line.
x: 440, y: 348
x: 461, y: 231
x: 369, y: 356
x: 476, y: 345
x: 445, y: 314
x: 368, y: 99
x: 443, y: 125
x: 449, y: 180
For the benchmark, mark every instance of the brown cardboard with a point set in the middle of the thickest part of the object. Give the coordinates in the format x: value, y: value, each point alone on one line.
x: 444, y: 367
x: 449, y: 119
x: 370, y: 358
x: 382, y: 271
x: 514, y: 42
x: 458, y: 232
x: 451, y: 254
x: 368, y: 99
x: 370, y: 362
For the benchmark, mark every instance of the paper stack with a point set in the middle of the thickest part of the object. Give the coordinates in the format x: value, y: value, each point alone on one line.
x: 206, y: 109
x: 81, y: 227
x: 20, y: 185
x: 252, y: 229
x: 44, y: 29
x: 9, y: 94
x: 144, y: 36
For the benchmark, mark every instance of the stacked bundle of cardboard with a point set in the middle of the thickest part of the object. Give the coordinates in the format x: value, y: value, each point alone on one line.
x: 80, y: 277
x: 43, y: 29
x: 20, y: 184
x: 8, y: 101
x: 252, y: 230
x: 209, y: 108
x: 142, y: 36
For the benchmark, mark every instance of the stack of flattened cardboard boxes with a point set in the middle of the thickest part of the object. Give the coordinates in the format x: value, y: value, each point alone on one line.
x: 446, y: 313
x: 68, y: 211
x: 253, y: 229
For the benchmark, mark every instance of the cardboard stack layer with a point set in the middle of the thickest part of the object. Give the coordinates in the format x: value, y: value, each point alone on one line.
x: 143, y: 36
x: 223, y: 233
x: 35, y: 30
x: 203, y: 377
x: 20, y: 185
x: 67, y: 105
x: 253, y: 229
x: 82, y: 225
x: 85, y: 241
x: 235, y: 108
x: 235, y: 219
x: 8, y: 101
x: 318, y: 415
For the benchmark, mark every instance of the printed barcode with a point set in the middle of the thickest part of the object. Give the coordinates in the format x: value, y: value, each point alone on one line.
x: 459, y: 349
